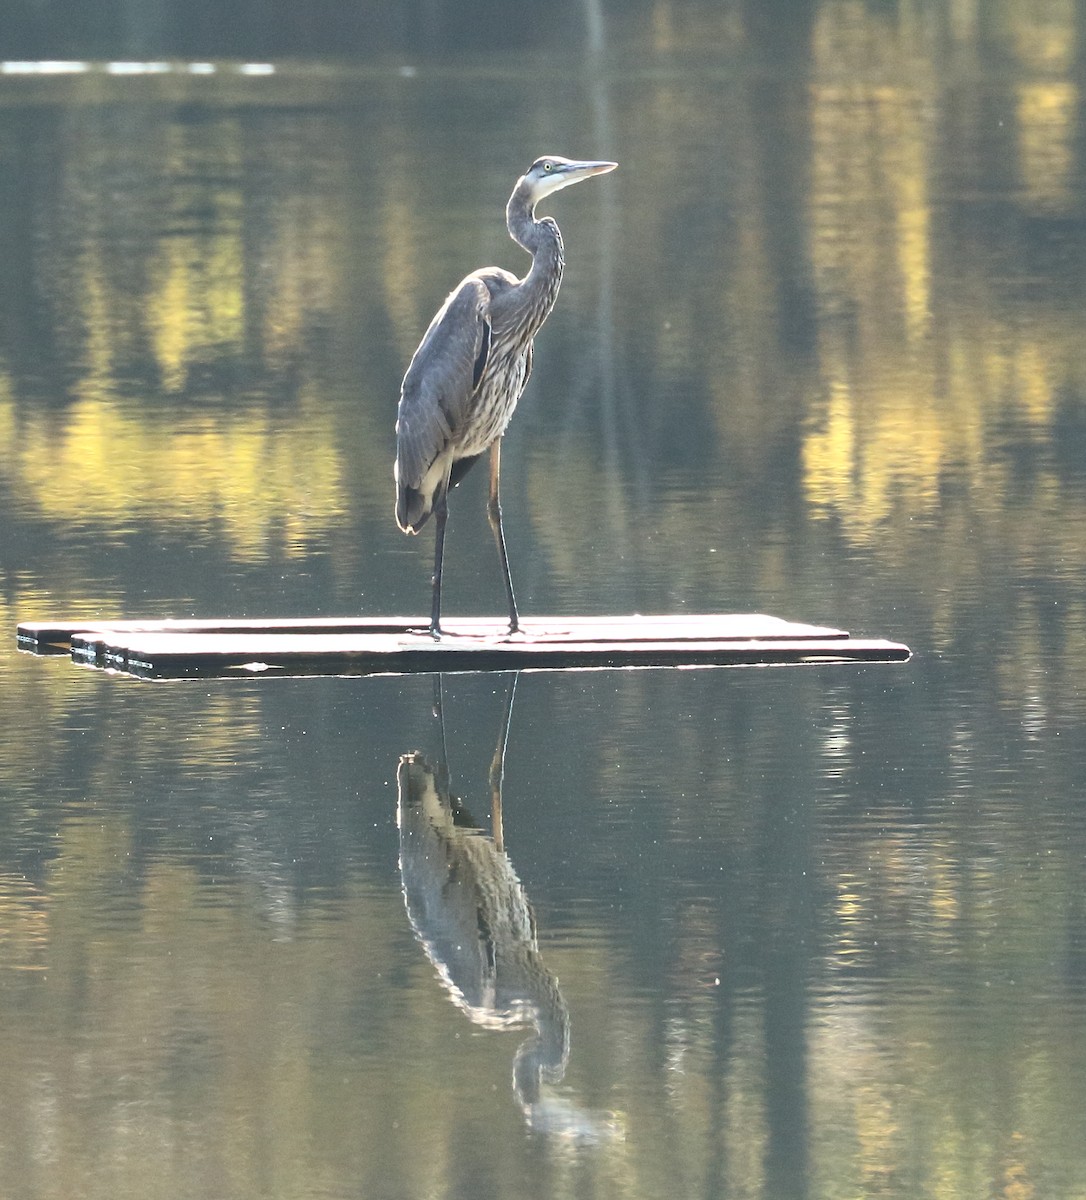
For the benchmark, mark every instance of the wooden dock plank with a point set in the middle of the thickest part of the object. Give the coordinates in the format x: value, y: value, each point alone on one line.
x: 396, y: 645
x: 42, y: 635
x: 163, y: 657
x: 173, y: 655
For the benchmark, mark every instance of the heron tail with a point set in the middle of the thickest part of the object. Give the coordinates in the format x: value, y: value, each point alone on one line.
x: 413, y: 509
x: 414, y: 505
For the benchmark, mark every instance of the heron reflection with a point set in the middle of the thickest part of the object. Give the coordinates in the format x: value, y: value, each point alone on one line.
x: 469, y: 912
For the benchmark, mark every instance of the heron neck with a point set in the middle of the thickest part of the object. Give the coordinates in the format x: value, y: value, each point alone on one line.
x: 543, y: 241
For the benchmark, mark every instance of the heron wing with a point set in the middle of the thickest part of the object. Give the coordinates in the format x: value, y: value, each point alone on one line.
x: 444, y: 373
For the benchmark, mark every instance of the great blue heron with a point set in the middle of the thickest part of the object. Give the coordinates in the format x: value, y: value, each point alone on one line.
x: 470, y: 369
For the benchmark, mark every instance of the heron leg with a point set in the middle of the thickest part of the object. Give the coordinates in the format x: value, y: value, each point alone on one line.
x: 441, y: 513
x: 497, y: 768
x: 494, y: 516
x: 444, y: 775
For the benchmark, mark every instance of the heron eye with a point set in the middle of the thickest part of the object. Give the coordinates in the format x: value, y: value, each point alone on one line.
x: 548, y: 166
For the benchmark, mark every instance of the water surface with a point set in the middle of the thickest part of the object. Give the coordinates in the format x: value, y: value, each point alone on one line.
x: 772, y: 933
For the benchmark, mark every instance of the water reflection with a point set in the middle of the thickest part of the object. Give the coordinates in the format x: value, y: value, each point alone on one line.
x: 470, y: 914
x: 846, y: 382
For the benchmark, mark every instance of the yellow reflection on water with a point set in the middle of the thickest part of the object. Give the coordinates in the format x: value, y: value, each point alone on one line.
x: 197, y: 277
x: 861, y: 465
x: 263, y: 481
x: 916, y: 384
x: 177, y: 310
x: 1047, y: 128
x: 1043, y: 34
x: 196, y: 305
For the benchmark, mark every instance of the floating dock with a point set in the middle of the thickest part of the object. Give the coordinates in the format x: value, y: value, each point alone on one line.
x: 180, y: 649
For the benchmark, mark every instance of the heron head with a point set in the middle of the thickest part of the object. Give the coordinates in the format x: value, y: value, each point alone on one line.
x: 550, y: 173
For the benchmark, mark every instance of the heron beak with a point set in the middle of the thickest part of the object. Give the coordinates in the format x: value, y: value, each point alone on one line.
x: 574, y: 172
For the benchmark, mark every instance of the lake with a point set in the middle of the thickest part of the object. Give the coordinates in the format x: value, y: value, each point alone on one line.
x: 789, y: 932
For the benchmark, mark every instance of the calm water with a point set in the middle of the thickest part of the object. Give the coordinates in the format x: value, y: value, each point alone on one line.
x: 819, y: 353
